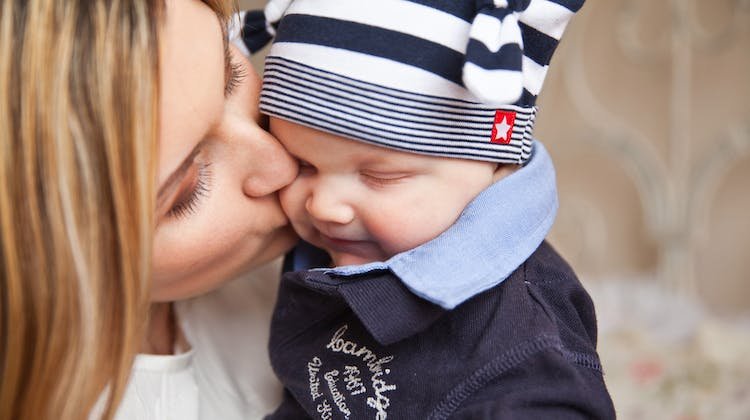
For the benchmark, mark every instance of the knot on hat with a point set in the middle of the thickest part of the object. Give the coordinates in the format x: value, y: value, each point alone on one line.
x: 514, y: 5
x: 259, y: 27
x: 255, y: 33
x: 494, y: 55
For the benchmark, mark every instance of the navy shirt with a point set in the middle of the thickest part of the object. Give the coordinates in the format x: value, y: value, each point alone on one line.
x: 367, y: 347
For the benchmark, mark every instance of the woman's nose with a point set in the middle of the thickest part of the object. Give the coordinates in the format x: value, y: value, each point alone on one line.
x: 271, y: 168
x: 326, y: 204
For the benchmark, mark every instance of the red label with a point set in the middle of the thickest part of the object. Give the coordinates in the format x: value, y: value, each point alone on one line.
x: 502, y: 128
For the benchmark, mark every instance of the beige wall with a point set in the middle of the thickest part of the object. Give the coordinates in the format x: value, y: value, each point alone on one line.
x: 647, y: 114
x: 646, y: 111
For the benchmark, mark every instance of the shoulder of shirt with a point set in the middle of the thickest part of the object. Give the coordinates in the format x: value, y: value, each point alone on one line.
x: 543, y: 320
x: 541, y: 305
x: 537, y: 380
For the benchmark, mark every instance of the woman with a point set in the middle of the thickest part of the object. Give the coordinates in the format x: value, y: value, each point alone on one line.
x: 84, y: 163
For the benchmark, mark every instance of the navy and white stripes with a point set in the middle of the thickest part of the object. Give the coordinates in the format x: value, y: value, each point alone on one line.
x: 389, y: 117
x: 510, y: 47
x: 428, y: 76
x: 493, y: 67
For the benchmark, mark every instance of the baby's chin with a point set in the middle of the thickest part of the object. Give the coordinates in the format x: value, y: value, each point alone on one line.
x: 355, y: 256
x: 345, y: 252
x: 347, y: 259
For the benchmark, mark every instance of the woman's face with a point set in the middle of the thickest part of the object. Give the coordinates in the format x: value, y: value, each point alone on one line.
x: 218, y: 170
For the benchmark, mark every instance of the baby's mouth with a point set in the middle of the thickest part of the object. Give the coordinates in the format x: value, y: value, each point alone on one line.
x: 349, y: 246
x: 338, y: 240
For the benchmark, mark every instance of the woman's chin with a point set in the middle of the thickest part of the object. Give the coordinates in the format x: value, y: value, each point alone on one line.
x: 279, y: 244
x: 200, y: 277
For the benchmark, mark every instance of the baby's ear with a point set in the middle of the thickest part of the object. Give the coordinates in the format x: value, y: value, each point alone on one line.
x: 504, y: 169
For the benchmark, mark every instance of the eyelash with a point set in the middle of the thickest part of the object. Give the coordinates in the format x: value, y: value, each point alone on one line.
x: 380, y: 181
x: 375, y: 181
x: 237, y: 73
x: 202, y: 187
x: 304, y: 167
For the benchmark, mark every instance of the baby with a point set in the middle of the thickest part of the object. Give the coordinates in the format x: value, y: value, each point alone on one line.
x: 425, y: 288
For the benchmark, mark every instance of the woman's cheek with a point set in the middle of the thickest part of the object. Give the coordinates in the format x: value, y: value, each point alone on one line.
x: 189, y: 247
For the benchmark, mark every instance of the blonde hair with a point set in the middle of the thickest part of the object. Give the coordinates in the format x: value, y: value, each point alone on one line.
x: 78, y: 140
x: 78, y: 106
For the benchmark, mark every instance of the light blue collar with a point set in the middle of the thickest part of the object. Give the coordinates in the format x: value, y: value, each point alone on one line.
x: 492, y: 237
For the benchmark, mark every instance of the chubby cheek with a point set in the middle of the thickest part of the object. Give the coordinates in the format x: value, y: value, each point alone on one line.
x: 401, y: 225
x: 292, y: 198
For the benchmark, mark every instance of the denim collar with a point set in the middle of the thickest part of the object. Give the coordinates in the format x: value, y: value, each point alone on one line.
x: 492, y: 237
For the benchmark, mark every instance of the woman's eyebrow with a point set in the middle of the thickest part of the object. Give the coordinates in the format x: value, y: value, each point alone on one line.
x: 166, y: 190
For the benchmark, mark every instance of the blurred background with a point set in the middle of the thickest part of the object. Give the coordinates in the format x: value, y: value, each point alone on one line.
x: 646, y: 112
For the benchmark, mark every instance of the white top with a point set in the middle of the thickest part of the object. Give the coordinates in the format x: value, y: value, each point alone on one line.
x: 226, y: 374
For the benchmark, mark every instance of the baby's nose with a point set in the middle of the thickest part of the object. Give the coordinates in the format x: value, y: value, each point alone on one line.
x: 328, y: 206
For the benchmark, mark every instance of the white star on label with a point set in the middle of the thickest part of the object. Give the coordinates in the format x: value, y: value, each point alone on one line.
x: 501, y: 129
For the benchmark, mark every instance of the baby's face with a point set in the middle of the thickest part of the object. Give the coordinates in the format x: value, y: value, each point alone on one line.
x: 365, y: 203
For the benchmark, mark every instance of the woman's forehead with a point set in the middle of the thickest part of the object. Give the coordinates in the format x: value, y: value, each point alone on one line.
x: 192, y: 77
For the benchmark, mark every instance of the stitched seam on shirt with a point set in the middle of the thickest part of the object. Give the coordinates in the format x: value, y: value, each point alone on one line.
x: 583, y: 359
x: 327, y: 288
x: 547, y: 282
x: 492, y: 370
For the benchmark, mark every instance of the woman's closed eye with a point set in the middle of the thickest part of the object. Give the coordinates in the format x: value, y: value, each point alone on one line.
x: 237, y: 73
x: 196, y: 186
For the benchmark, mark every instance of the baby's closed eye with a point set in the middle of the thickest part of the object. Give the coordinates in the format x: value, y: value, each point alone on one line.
x: 384, y: 178
x: 305, y: 167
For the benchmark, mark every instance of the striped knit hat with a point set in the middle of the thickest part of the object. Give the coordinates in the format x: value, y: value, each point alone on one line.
x: 456, y: 78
